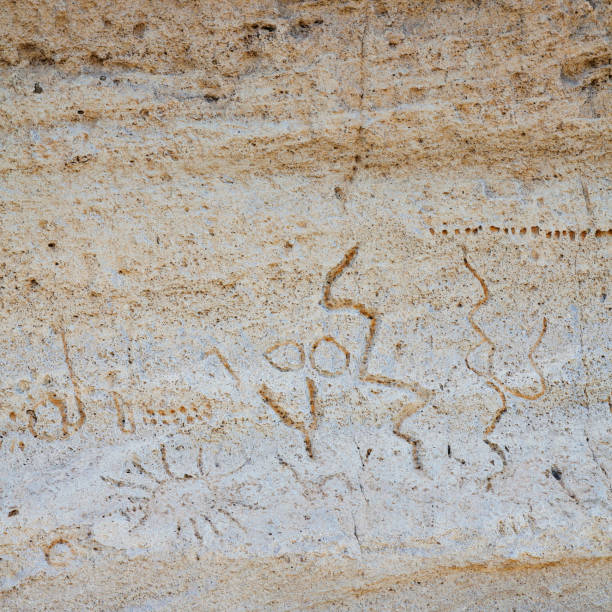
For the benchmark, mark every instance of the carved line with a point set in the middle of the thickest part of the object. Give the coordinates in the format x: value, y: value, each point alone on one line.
x: 75, y: 388
x: 201, y: 463
x: 121, y: 415
x: 491, y: 428
x: 312, y: 396
x: 480, y: 303
x: 195, y: 528
x: 122, y: 483
x: 558, y: 476
x: 166, y: 465
x: 416, y: 444
x: 14, y: 443
x: 498, y: 415
x: 224, y: 362
x: 230, y: 517
x: 136, y: 463
x: 587, y: 197
x: 347, y: 357
x: 212, y: 525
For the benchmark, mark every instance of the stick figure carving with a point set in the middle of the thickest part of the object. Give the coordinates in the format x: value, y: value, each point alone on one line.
x: 294, y: 360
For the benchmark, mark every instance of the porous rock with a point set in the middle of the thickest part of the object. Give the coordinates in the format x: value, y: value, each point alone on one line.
x: 305, y: 305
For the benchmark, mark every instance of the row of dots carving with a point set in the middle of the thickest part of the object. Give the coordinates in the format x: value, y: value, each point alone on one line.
x: 522, y: 231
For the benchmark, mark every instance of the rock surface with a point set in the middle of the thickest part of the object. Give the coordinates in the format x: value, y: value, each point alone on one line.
x: 305, y: 305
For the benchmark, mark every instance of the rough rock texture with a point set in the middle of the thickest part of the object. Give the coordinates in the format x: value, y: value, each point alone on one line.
x: 305, y: 305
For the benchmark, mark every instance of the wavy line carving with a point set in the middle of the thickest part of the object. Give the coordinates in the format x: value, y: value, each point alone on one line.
x: 487, y: 340
x: 364, y: 375
x: 493, y: 381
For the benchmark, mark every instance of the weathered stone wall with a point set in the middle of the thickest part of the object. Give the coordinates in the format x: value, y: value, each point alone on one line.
x: 305, y: 305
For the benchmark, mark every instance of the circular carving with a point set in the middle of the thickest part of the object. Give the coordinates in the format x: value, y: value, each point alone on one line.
x: 342, y: 356
x: 59, y: 552
x: 57, y: 402
x: 286, y: 356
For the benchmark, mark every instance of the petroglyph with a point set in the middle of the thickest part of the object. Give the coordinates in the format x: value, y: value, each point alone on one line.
x: 289, y: 356
x: 371, y: 316
x: 492, y: 380
x: 59, y: 552
x: 305, y: 429
x: 68, y: 426
x: 533, y: 231
x: 341, y: 359
x: 491, y: 344
x: 162, y: 413
x: 147, y: 490
x: 423, y: 394
x: 285, y: 356
x: 125, y: 414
